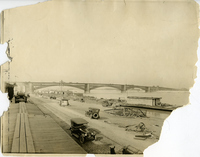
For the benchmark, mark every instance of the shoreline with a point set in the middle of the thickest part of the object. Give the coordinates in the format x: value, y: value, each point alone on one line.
x: 113, y: 126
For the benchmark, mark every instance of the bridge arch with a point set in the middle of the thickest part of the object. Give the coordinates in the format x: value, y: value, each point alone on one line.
x: 110, y: 86
x: 134, y: 88
x: 46, y: 86
x: 138, y: 87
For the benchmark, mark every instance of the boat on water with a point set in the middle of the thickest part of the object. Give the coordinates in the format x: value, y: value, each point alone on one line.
x: 148, y: 103
x: 162, y: 108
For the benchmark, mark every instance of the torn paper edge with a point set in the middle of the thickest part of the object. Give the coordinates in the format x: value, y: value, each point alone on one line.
x: 194, y: 106
x: 194, y: 99
x: 4, y: 56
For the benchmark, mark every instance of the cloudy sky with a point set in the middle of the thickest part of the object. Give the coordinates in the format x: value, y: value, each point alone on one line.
x: 142, y: 43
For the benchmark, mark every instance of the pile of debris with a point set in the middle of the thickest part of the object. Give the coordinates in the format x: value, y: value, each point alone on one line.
x: 127, y: 112
x: 143, y: 132
x: 106, y: 103
x: 112, y: 102
x: 137, y: 128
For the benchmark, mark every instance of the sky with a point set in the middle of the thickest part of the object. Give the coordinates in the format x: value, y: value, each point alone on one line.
x: 142, y: 43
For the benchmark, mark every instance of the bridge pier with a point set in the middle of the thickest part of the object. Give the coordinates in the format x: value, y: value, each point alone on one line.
x: 123, y: 89
x: 87, y: 88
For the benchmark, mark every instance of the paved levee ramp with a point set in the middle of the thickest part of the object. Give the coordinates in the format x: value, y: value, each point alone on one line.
x: 27, y: 130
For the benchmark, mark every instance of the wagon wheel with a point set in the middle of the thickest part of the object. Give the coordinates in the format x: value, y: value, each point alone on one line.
x: 82, y: 138
x: 95, y: 116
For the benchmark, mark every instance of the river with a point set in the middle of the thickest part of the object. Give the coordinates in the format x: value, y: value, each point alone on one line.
x: 176, y: 98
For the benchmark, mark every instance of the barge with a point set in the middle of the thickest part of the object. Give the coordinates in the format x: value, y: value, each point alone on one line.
x: 162, y: 108
x: 148, y: 103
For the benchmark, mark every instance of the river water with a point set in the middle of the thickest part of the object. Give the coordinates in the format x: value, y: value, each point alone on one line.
x: 176, y: 98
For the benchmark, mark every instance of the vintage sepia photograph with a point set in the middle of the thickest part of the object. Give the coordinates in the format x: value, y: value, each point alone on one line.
x: 95, y: 76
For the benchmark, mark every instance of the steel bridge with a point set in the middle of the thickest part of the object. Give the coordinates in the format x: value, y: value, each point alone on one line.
x: 30, y: 87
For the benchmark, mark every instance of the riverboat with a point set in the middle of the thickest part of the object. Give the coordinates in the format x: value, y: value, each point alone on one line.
x: 149, y: 103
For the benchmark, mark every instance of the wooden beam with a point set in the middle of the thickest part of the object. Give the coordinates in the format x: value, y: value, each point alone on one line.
x: 4, y: 124
x: 15, y: 144
x: 22, y: 135
x: 29, y: 139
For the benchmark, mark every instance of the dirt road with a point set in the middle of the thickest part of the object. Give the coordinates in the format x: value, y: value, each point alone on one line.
x: 113, y: 128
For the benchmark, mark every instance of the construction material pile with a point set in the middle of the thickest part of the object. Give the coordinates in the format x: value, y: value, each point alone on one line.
x: 137, y: 128
x: 127, y: 112
x: 142, y: 131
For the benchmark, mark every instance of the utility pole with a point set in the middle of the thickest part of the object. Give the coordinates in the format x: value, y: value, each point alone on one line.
x: 8, y: 53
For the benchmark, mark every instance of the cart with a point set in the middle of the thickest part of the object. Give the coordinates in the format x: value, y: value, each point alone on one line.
x: 93, y: 113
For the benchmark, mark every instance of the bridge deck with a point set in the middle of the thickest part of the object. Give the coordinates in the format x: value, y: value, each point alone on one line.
x: 32, y: 132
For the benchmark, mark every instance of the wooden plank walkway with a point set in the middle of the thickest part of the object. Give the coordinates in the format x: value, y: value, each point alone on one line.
x: 8, y: 122
x: 33, y: 132
x: 29, y: 139
x: 49, y: 137
x: 5, y: 139
x: 22, y: 140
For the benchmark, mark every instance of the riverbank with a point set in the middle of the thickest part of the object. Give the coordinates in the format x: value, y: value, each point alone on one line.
x: 122, y: 130
x: 111, y: 102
